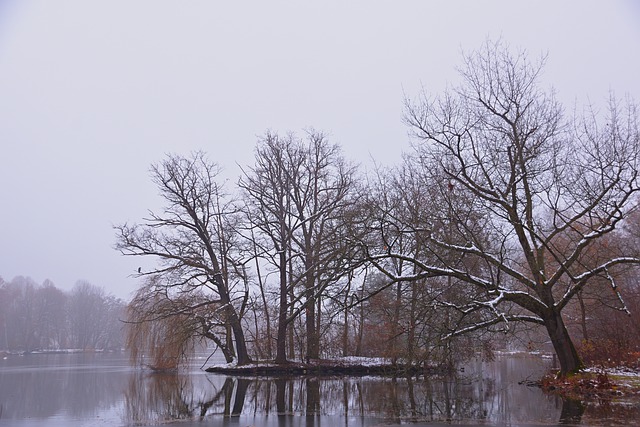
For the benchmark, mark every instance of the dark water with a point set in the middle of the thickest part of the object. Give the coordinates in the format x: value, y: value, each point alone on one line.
x: 102, y: 389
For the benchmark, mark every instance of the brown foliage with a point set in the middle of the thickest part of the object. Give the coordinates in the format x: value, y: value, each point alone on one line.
x: 158, y: 339
x: 582, y: 386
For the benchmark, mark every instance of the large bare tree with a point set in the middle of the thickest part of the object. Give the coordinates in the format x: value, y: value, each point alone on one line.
x: 267, y: 187
x: 545, y: 189
x: 199, y: 275
x: 298, y: 196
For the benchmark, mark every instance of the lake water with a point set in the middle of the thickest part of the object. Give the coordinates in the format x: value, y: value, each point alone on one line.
x: 102, y: 389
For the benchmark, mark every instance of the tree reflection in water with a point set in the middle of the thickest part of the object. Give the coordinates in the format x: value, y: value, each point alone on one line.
x: 155, y: 398
x: 73, y: 388
x: 158, y: 397
x: 572, y: 411
x: 486, y: 393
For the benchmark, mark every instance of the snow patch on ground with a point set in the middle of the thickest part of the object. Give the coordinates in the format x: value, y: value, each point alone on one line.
x: 362, y: 361
x: 345, y: 361
x: 619, y: 371
x: 338, y: 361
x: 234, y: 364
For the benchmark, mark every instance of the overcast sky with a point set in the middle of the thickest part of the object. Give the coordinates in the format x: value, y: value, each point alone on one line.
x: 93, y: 92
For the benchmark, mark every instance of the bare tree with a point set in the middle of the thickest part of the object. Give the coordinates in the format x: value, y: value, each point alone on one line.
x: 298, y: 197
x: 54, y: 321
x: 267, y: 189
x: 200, y: 275
x: 500, y: 144
x: 87, y: 315
x: 32, y: 316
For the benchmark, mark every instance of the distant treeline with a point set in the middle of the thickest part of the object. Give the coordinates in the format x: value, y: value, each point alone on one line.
x: 37, y: 316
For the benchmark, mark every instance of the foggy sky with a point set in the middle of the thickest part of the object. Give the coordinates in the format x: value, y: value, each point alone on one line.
x: 93, y: 92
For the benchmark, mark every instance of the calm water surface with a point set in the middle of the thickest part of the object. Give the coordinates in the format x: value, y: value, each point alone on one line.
x: 102, y: 389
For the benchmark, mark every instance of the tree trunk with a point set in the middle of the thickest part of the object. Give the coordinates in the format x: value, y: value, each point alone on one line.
x: 228, y: 356
x: 583, y: 317
x: 229, y: 336
x: 345, y: 331
x: 241, y: 343
x: 411, y: 333
x: 233, y: 321
x: 392, y: 346
x: 291, y: 296
x: 318, y: 322
x: 291, y: 336
x: 565, y: 350
x: 313, y: 340
x: 360, y: 331
x: 281, y: 340
x: 265, y: 305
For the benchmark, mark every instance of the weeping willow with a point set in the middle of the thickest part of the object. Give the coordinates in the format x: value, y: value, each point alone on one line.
x: 157, y: 336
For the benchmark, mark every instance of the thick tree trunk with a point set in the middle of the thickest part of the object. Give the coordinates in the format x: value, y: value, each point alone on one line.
x: 281, y: 339
x: 228, y: 355
x: 313, y: 340
x: 318, y: 321
x: 265, y: 306
x: 565, y: 350
x: 395, y: 325
x: 291, y: 299
x: 411, y: 333
x: 313, y: 349
x: 241, y: 343
x: 238, y: 334
x: 233, y: 321
x: 229, y: 336
x: 360, y: 325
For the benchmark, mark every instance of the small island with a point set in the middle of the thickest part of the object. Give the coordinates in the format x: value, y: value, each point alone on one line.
x: 348, y: 366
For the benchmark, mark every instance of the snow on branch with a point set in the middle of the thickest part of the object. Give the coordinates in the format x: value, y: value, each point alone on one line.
x: 495, y: 321
x: 617, y: 292
x: 582, y: 279
x: 427, y: 270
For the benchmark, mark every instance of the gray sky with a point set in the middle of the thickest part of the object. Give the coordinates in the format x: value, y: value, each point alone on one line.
x: 93, y: 92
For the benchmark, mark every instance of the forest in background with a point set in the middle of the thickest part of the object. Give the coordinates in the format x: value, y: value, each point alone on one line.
x: 41, y: 317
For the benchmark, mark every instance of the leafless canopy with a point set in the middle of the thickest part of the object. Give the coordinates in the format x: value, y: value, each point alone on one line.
x: 545, y: 189
x: 195, y: 242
